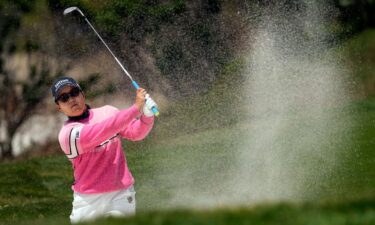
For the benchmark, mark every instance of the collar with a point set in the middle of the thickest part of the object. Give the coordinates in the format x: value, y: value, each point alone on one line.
x: 84, y: 115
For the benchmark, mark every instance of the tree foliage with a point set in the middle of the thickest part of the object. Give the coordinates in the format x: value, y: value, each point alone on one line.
x: 23, y: 93
x: 183, y: 38
x: 357, y: 15
x: 20, y: 97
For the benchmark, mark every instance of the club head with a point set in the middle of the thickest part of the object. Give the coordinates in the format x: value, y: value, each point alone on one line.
x: 71, y: 9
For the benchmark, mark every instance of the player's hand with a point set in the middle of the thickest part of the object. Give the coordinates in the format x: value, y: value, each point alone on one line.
x: 148, y: 106
x: 140, y: 99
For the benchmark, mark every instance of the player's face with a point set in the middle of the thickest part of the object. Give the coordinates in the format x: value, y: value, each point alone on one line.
x: 71, y: 101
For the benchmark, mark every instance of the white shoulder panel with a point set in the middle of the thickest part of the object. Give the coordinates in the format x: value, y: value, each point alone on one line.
x: 73, y: 138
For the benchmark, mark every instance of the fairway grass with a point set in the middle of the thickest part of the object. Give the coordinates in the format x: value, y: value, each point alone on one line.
x: 37, y: 190
x: 354, y: 212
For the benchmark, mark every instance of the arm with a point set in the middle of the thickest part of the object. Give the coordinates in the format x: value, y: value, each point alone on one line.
x: 138, y: 128
x: 76, y: 139
x: 93, y: 135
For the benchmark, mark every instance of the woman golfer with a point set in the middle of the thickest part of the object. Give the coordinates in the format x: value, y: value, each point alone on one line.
x: 90, y: 138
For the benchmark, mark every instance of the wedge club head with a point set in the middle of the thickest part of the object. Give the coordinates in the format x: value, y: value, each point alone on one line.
x: 71, y: 9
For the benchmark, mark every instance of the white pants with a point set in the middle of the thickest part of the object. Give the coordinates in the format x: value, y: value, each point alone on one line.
x: 87, y: 207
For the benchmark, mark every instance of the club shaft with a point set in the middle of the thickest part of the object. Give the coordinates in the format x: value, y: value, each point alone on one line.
x: 110, y: 51
x: 154, y: 108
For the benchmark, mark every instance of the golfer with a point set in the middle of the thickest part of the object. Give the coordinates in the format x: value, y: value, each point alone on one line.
x: 91, y: 139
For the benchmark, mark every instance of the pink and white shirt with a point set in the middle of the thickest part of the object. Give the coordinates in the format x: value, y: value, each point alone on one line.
x: 94, y: 148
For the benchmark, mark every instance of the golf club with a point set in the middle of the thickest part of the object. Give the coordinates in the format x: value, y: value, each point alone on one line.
x: 154, y: 109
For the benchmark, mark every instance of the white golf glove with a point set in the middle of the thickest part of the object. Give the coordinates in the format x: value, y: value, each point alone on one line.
x: 148, y: 106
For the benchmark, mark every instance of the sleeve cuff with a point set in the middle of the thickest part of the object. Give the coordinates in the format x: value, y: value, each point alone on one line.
x: 147, y: 120
x: 135, y: 109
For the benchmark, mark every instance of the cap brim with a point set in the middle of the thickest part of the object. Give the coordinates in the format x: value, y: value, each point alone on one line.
x: 67, y: 85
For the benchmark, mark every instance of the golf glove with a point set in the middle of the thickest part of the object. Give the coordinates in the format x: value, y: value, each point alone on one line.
x: 148, y: 106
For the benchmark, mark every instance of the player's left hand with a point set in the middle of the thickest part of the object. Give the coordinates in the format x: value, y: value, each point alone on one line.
x: 140, y: 98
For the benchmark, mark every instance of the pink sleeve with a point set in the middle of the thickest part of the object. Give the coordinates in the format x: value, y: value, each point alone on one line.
x: 93, y: 135
x: 76, y: 138
x: 138, y: 128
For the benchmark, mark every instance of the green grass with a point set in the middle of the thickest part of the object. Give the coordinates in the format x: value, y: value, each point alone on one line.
x: 361, y: 55
x: 354, y: 212
x: 357, y: 173
x: 37, y: 191
x: 35, y: 188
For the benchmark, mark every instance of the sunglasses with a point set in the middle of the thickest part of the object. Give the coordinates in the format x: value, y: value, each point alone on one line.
x: 65, y: 97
